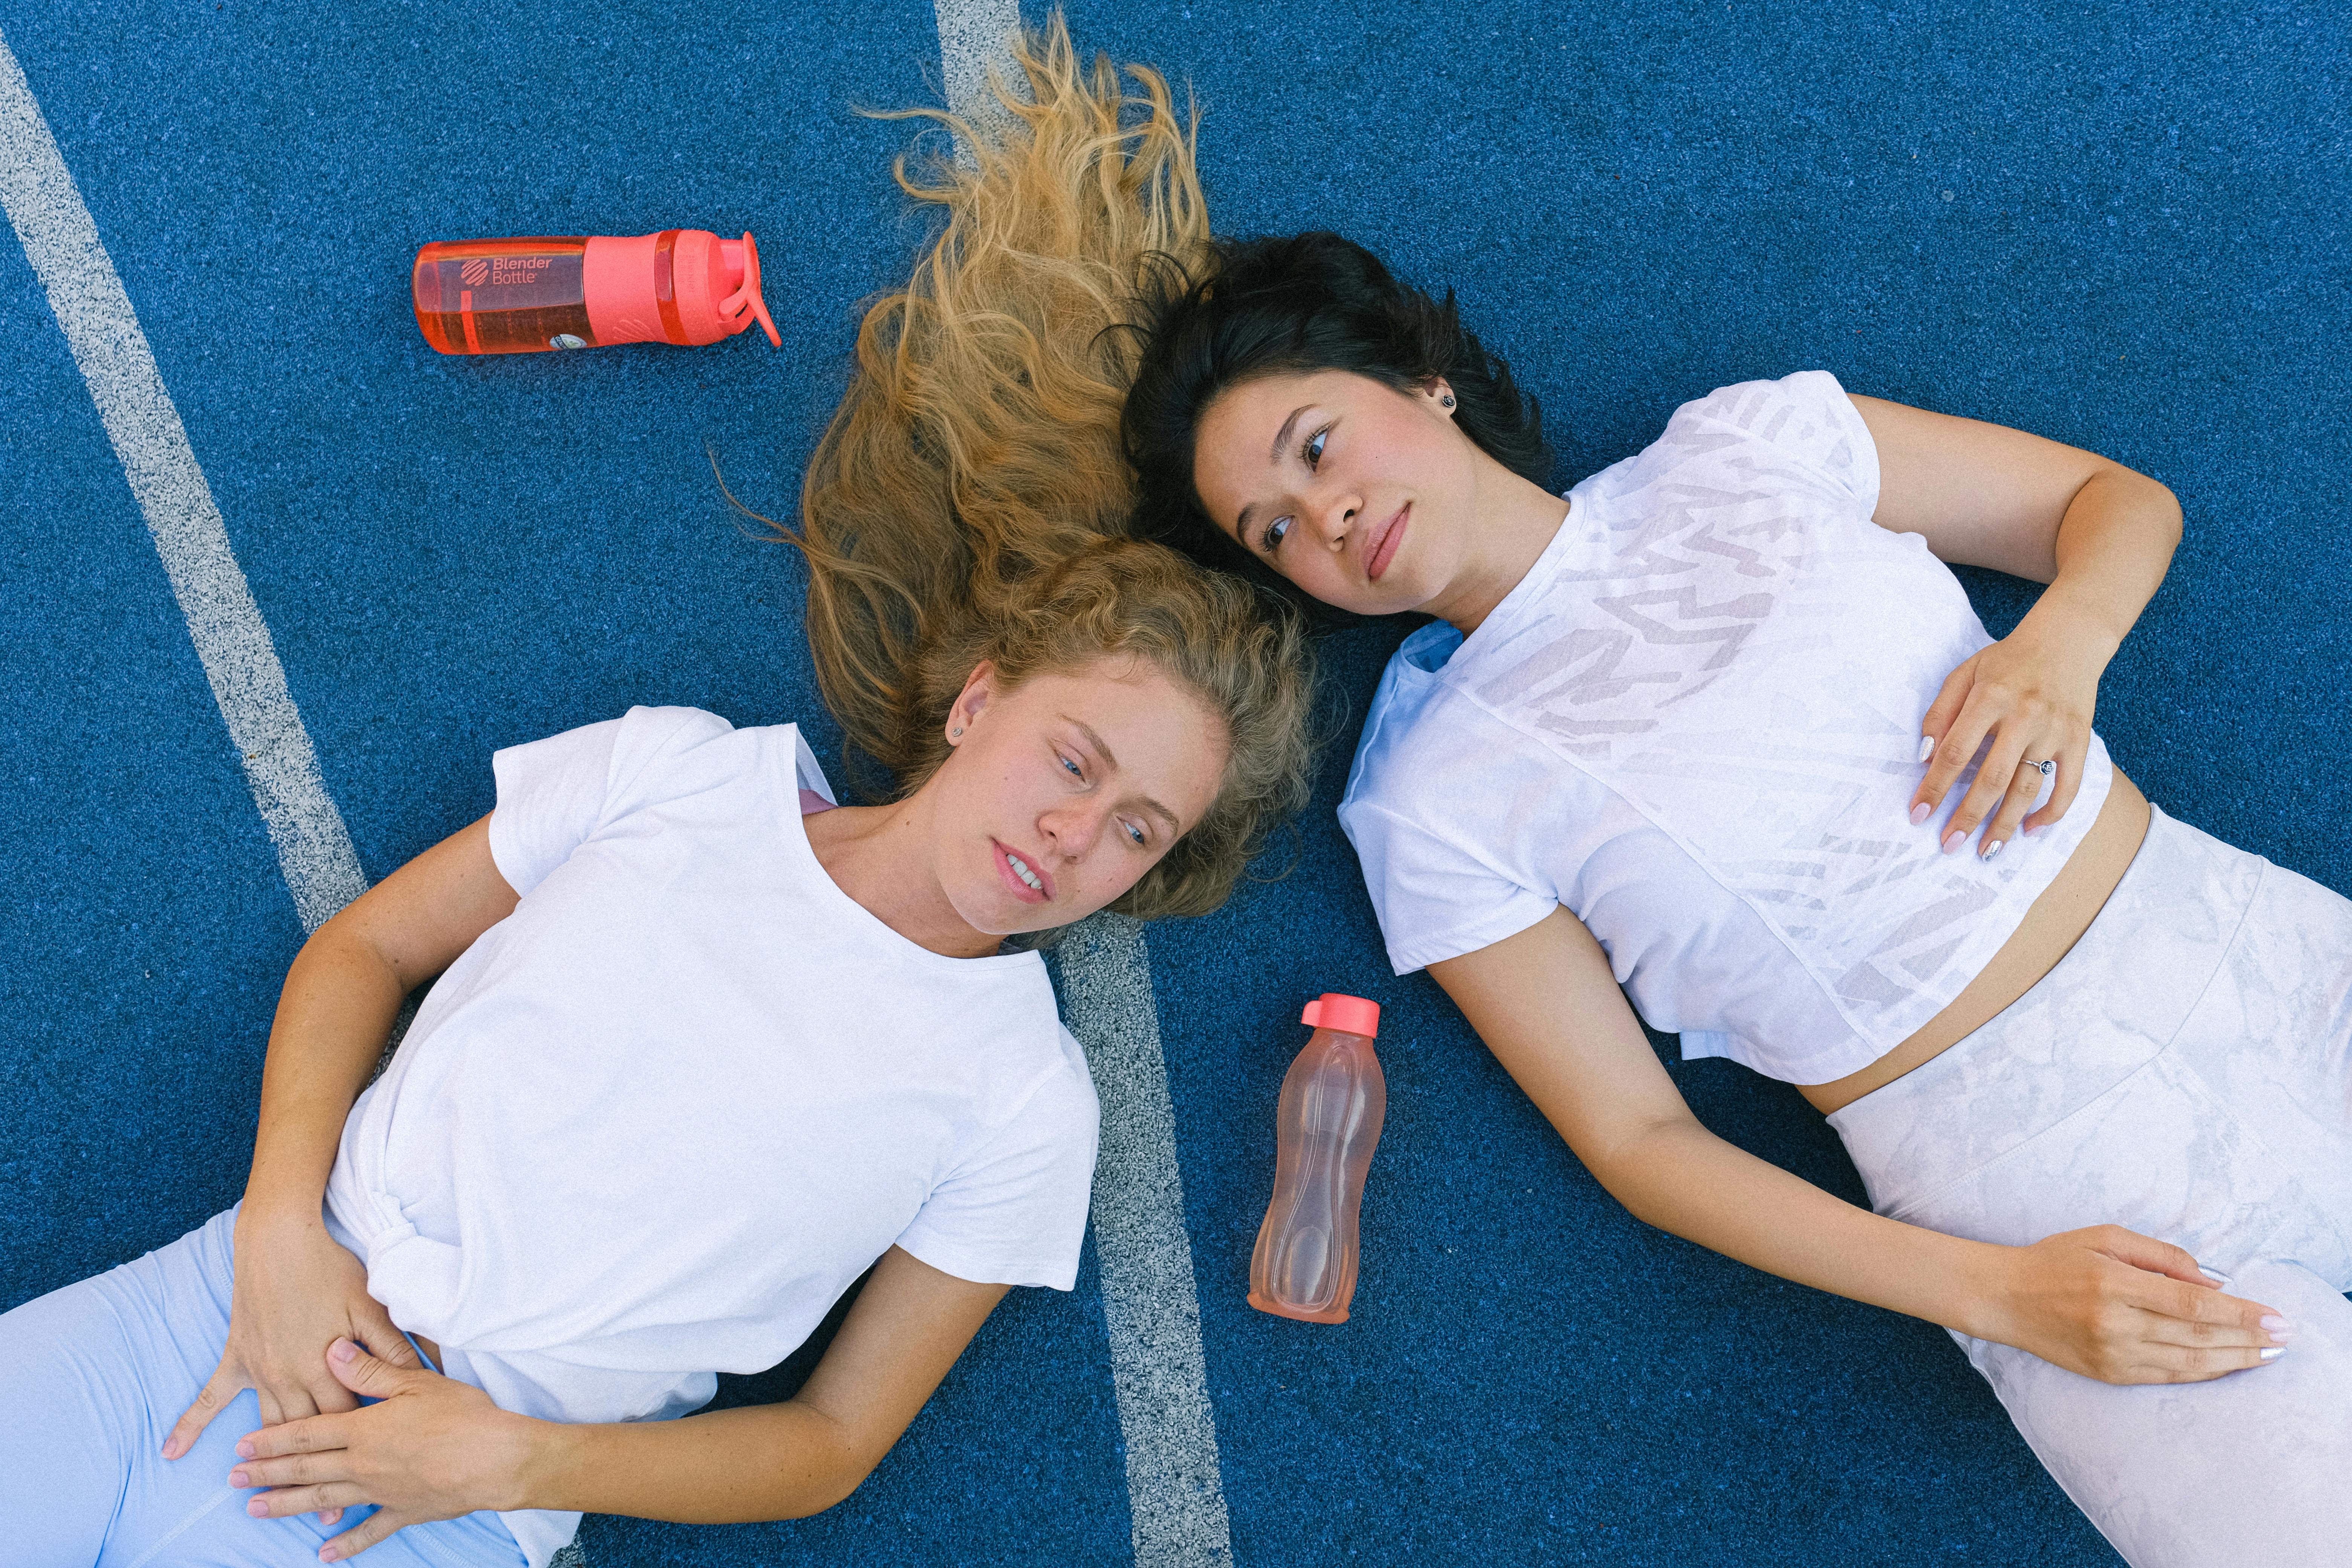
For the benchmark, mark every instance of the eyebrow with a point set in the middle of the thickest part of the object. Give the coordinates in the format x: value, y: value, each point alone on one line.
x: 1111, y: 763
x: 1282, y: 437
x: 1273, y: 455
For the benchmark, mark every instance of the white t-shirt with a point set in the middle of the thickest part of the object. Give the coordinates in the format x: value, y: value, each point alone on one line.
x: 1696, y: 724
x: 649, y: 1127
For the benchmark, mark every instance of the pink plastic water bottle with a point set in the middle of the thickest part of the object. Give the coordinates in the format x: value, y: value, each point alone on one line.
x: 682, y: 286
x: 1333, y: 1099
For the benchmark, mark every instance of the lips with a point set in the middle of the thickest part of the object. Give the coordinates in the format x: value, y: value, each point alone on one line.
x: 1385, y: 546
x: 1012, y: 878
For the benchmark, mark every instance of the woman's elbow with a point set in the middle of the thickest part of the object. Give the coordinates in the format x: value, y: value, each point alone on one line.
x: 1644, y: 1170
x: 811, y: 1498
x: 836, y: 1474
x: 2155, y: 502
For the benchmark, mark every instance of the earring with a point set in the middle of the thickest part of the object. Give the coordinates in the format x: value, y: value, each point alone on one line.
x: 954, y: 734
x: 1447, y: 401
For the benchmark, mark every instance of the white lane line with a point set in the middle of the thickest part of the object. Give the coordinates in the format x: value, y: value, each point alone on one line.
x: 314, y: 850
x: 1175, y: 1487
x: 972, y: 36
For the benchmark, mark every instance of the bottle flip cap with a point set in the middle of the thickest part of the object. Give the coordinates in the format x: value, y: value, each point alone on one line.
x: 744, y: 306
x: 682, y: 285
x: 1348, y: 1015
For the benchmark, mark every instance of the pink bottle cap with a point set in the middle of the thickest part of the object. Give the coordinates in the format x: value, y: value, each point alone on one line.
x: 1348, y: 1015
x: 682, y: 286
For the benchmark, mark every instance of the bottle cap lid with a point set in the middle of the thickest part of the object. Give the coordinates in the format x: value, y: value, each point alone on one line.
x: 707, y: 288
x: 738, y: 309
x: 1348, y: 1015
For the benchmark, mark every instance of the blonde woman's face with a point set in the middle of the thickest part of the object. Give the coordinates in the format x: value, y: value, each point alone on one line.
x: 1359, y: 494
x: 1063, y: 792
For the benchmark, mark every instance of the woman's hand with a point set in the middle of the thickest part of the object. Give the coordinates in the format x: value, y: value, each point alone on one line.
x: 432, y: 1448
x: 295, y: 1290
x: 2033, y: 694
x: 2120, y: 1306
x: 296, y: 1293
x: 2098, y: 533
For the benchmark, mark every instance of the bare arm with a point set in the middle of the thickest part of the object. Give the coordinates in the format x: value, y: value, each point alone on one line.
x: 787, y: 1460
x: 2099, y: 534
x: 296, y: 1292
x: 1985, y: 495
x: 2102, y: 1302
x: 341, y: 996
x: 434, y: 1449
x: 1545, y: 1004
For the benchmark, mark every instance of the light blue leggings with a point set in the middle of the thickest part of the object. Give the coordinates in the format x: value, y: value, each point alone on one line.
x: 93, y: 1376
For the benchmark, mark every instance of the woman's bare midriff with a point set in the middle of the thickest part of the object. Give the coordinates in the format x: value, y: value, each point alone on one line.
x: 2052, y: 926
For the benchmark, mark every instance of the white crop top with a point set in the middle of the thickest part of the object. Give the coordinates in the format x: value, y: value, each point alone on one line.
x: 1696, y: 724
x: 650, y: 1126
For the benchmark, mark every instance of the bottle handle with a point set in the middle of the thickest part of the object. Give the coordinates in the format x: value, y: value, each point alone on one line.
x: 731, y: 307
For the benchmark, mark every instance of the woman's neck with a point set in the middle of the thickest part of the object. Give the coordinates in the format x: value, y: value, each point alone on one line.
x: 1517, y: 519
x: 880, y: 856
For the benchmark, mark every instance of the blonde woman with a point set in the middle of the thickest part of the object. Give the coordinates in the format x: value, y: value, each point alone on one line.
x: 705, y: 1045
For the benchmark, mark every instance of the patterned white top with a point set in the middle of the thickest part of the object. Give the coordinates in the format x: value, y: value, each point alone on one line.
x: 1695, y: 723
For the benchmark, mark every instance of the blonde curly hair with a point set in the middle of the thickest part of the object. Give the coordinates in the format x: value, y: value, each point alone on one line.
x: 971, y: 498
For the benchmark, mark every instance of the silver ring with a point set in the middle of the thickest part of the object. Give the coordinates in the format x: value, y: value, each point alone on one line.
x: 2046, y: 768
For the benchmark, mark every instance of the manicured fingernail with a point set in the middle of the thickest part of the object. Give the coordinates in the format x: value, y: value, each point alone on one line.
x: 2273, y: 1353
x: 236, y: 1479
x: 2278, y: 1328
x: 1991, y: 851
x: 328, y: 1555
x: 258, y: 1508
x: 245, y: 1448
x: 342, y: 1350
x: 2216, y: 1275
x: 1954, y: 839
x: 1926, y: 747
x: 170, y: 1448
x: 1919, y: 813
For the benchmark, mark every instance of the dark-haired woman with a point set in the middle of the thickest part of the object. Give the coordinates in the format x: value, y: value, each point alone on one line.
x: 1723, y: 730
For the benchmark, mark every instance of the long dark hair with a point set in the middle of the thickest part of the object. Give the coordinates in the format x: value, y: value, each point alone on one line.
x: 1284, y: 306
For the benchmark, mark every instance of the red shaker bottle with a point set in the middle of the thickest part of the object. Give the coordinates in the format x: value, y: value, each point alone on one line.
x: 1329, y: 1119
x: 681, y: 286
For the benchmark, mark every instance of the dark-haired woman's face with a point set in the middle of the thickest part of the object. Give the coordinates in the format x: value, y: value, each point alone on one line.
x: 1359, y: 494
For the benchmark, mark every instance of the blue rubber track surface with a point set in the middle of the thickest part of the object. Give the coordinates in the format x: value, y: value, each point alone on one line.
x: 2118, y: 229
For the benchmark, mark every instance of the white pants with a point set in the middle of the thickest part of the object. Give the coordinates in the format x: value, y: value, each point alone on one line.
x: 2185, y: 1072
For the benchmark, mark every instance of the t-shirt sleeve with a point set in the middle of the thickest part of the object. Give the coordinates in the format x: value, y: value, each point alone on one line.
x: 816, y: 790
x: 1435, y: 899
x: 1806, y: 420
x: 1014, y: 1211
x: 554, y: 793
